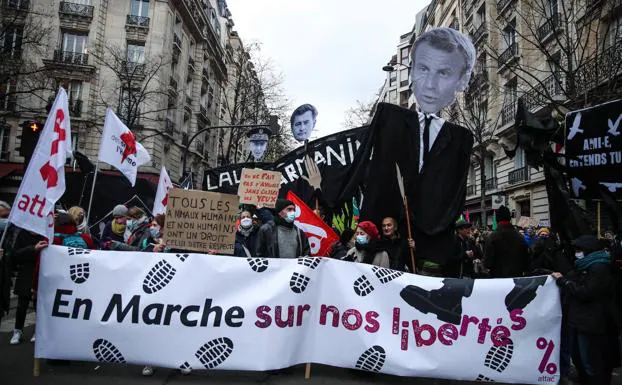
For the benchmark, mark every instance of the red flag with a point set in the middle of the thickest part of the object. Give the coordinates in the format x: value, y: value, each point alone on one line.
x: 320, y: 235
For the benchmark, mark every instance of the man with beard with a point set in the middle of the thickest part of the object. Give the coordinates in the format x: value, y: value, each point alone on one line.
x: 280, y: 237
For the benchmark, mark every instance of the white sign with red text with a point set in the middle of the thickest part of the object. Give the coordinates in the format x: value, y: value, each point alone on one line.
x: 181, y: 310
x: 44, y: 181
x: 120, y: 149
x: 161, y: 197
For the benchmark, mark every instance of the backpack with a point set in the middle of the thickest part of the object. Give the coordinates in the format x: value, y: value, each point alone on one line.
x: 73, y: 240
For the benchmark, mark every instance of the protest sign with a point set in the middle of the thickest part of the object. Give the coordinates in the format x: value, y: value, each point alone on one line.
x: 259, y: 187
x: 190, y: 310
x: 200, y: 221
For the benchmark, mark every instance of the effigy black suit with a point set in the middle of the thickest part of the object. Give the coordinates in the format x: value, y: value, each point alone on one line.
x: 436, y: 194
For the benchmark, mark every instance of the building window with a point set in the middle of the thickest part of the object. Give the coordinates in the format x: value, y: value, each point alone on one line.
x: 471, y: 177
x: 76, y: 43
x: 480, y: 16
x: 614, y: 31
x: 489, y: 167
x: 404, y: 57
x: 550, y: 8
x: 392, y: 79
x: 480, y: 66
x: 519, y: 158
x: 404, y: 77
x: 210, y: 96
x: 5, y: 133
x: 509, y: 36
x: 393, y: 96
x: 135, y: 53
x: 12, y: 41
x: 139, y: 8
x: 8, y: 98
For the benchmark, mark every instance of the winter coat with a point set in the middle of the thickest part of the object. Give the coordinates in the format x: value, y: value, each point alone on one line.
x: 139, y: 240
x: 109, y: 235
x: 381, y: 258
x: 397, y: 250
x: 242, y: 241
x: 507, y: 254
x: 465, y: 262
x: 71, y: 230
x: 25, y: 257
x: 337, y: 250
x: 268, y: 243
x: 589, y: 298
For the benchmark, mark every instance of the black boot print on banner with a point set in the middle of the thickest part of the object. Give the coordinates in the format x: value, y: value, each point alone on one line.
x: 362, y: 286
x: 310, y: 262
x: 524, y: 292
x: 107, y: 352
x: 498, y: 357
x: 215, y: 352
x: 185, y: 365
x: 79, y: 272
x: 182, y: 257
x: 386, y: 275
x: 445, y: 302
x: 72, y: 251
x: 158, y: 277
x: 298, y: 283
x: 258, y: 265
x: 483, y: 378
x: 372, y: 360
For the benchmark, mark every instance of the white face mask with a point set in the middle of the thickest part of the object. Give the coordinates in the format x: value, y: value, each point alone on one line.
x: 246, y: 223
x: 579, y: 254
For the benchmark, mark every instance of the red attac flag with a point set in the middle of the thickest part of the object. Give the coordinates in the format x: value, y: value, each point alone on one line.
x: 320, y: 235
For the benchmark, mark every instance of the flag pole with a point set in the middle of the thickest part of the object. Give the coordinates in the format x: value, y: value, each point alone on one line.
x: 308, y: 366
x: 6, y: 228
x: 88, y: 213
x: 400, y: 183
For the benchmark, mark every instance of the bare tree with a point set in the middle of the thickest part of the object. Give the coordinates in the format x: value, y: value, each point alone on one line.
x: 23, y: 78
x: 359, y: 115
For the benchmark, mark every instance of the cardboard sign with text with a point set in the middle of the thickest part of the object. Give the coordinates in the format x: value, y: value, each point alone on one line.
x: 259, y: 187
x: 201, y: 221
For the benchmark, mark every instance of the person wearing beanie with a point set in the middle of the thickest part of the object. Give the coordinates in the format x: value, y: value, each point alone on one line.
x: 280, y: 237
x: 115, y: 228
x: 588, y: 291
x: 507, y: 255
x: 246, y: 236
x: 365, y: 248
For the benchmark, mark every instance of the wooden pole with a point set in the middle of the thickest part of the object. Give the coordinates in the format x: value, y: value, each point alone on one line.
x: 308, y: 371
x: 36, y: 368
x: 412, y: 252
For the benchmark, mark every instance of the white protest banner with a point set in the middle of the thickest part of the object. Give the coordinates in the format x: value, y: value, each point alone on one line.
x: 201, y: 221
x: 161, y: 197
x: 218, y: 312
x: 120, y: 149
x: 259, y: 187
x: 44, y: 181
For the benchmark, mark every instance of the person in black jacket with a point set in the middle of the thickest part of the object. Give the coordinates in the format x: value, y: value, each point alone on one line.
x: 339, y: 249
x: 246, y: 236
x: 395, y: 245
x: 470, y: 253
x: 507, y: 255
x: 280, y: 237
x: 588, y: 292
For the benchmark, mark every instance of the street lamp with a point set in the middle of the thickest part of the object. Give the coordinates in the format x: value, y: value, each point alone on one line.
x: 393, y: 66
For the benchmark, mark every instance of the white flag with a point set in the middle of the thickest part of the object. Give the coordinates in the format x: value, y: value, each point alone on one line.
x: 120, y: 149
x: 161, y: 198
x: 44, y: 180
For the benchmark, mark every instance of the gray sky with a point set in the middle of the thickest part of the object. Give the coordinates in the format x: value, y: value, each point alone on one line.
x: 330, y: 51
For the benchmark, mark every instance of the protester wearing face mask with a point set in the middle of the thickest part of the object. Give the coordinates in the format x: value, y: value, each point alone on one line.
x: 365, y: 248
x: 280, y: 237
x: 114, y: 230
x: 137, y: 236
x: 588, y: 290
x: 246, y: 236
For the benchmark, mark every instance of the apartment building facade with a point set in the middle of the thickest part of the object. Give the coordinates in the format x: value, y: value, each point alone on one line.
x: 555, y: 55
x: 162, y: 66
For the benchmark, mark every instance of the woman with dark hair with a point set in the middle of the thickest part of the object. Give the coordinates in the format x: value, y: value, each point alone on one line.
x: 365, y: 248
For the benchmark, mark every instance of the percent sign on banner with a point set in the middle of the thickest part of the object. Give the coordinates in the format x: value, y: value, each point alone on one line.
x: 545, y: 364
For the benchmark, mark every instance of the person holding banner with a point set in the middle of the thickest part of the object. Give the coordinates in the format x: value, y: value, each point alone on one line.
x: 246, y: 236
x: 280, y: 237
x: 114, y: 229
x: 365, y: 248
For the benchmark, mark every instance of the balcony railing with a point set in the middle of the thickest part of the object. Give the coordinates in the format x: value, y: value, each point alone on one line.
x: 133, y: 68
x: 75, y: 108
x: 510, y: 53
x: 16, y: 4
x: 508, y: 113
x: 71, y: 57
x: 519, y: 175
x: 491, y: 184
x: 191, y: 62
x: 479, y: 79
x: 600, y: 68
x: 543, y: 94
x: 203, y: 112
x: 470, y: 190
x: 480, y: 32
x: 74, y: 9
x: 549, y: 26
x: 137, y: 21
x: 176, y: 41
x: 502, y: 4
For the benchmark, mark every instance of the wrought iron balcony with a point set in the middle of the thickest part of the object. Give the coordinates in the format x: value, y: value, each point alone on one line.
x: 71, y: 57
x: 133, y: 68
x: 176, y: 42
x: 470, y: 190
x: 137, y: 21
x: 203, y: 112
x: 549, y: 26
x: 519, y: 175
x: 491, y: 184
x: 17, y: 4
x: 191, y: 62
x: 598, y: 69
x: 75, y: 9
x: 508, y: 113
x: 481, y: 31
x: 502, y: 5
x: 543, y: 94
x: 510, y: 53
x: 479, y: 79
x: 469, y: 8
x: 75, y: 108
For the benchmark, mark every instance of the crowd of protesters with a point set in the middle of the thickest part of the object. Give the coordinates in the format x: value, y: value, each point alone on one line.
x: 584, y: 270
